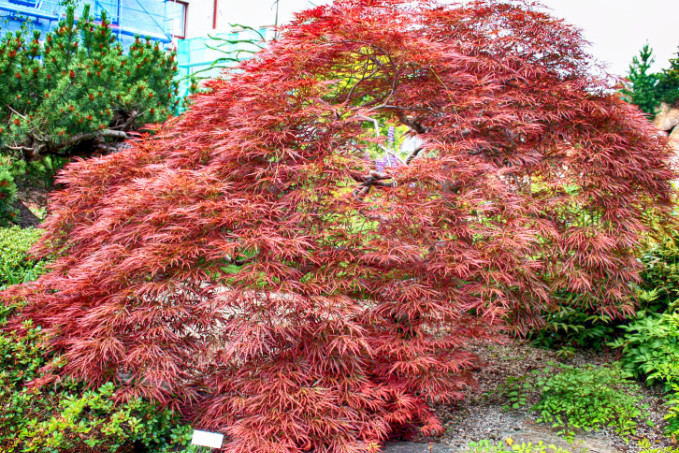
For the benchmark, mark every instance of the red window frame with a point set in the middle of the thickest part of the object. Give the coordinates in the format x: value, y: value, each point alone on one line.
x: 186, y: 15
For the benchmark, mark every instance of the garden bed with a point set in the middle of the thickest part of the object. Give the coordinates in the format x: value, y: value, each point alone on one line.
x: 483, y: 414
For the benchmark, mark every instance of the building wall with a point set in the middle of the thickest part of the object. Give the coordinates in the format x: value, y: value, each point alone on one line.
x: 252, y: 13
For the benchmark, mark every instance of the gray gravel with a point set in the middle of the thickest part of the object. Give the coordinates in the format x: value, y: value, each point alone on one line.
x: 415, y: 447
x: 482, y: 416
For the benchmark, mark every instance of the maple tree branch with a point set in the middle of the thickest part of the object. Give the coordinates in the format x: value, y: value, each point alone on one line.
x: 372, y: 217
x: 412, y: 124
x: 394, y: 68
x: 374, y: 121
x: 351, y: 92
x: 374, y: 179
x: 241, y: 261
x: 413, y: 155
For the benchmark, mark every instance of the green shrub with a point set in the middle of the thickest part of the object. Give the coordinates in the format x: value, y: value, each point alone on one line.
x: 8, y: 191
x: 66, y: 417
x: 15, y: 266
x: 650, y: 351
x: 659, y: 291
x: 646, y: 447
x: 587, y: 398
x: 487, y: 446
x: 573, y: 327
x: 672, y: 416
x: 650, y: 347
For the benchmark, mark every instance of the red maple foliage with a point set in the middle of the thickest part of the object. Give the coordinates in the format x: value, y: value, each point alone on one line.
x: 249, y: 266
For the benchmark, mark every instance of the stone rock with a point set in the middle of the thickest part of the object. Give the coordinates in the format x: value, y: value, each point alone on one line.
x: 415, y: 447
x: 666, y: 118
x: 674, y: 135
x: 26, y: 217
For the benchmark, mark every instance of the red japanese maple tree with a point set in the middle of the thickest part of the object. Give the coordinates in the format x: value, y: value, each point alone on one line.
x: 249, y: 266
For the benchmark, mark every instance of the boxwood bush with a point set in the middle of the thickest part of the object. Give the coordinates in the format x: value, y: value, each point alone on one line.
x: 15, y: 265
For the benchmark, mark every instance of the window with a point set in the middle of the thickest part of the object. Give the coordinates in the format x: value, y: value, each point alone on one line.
x: 177, y: 15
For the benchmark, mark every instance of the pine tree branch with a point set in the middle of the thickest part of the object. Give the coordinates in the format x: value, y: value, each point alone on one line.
x: 43, y: 146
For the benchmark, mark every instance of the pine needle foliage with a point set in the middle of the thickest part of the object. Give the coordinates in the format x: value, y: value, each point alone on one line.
x: 79, y: 85
x: 648, y: 90
x: 642, y: 90
x: 248, y: 264
x: 668, y: 82
x: 75, y: 92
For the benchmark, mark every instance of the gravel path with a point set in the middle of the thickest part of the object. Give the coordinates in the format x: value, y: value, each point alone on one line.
x: 482, y: 416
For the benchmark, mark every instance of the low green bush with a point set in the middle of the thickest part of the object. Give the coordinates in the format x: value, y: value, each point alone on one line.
x: 15, y: 265
x: 575, y: 325
x: 659, y: 291
x: 650, y: 351
x: 488, y: 446
x: 646, y: 447
x: 650, y: 347
x: 65, y: 416
x: 587, y: 398
x: 8, y: 191
x: 571, y: 327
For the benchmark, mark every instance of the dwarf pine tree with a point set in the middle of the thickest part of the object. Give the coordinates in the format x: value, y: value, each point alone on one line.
x: 668, y: 84
x: 642, y: 90
x: 77, y: 92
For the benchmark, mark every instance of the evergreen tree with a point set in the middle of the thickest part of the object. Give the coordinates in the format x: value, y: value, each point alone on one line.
x: 642, y: 90
x: 78, y: 92
x: 668, y: 83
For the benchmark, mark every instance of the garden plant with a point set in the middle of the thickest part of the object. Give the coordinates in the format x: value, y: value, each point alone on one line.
x: 648, y: 90
x: 249, y: 266
x: 65, y: 416
x: 588, y: 398
x: 74, y: 92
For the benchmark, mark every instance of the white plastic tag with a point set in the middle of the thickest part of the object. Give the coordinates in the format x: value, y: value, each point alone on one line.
x: 207, y: 439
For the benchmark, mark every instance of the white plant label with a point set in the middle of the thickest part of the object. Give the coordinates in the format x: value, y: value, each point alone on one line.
x: 207, y: 439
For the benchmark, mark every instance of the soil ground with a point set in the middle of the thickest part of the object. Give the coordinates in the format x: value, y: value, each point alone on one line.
x: 482, y: 414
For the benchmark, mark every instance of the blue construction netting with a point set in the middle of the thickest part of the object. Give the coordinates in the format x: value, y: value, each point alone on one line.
x: 145, y: 18
x: 200, y: 57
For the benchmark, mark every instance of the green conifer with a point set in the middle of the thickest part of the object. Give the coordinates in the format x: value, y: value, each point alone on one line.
x: 668, y: 83
x: 78, y: 92
x: 642, y: 88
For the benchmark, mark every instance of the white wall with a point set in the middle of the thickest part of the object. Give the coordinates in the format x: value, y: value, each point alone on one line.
x: 617, y: 28
x: 253, y: 13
